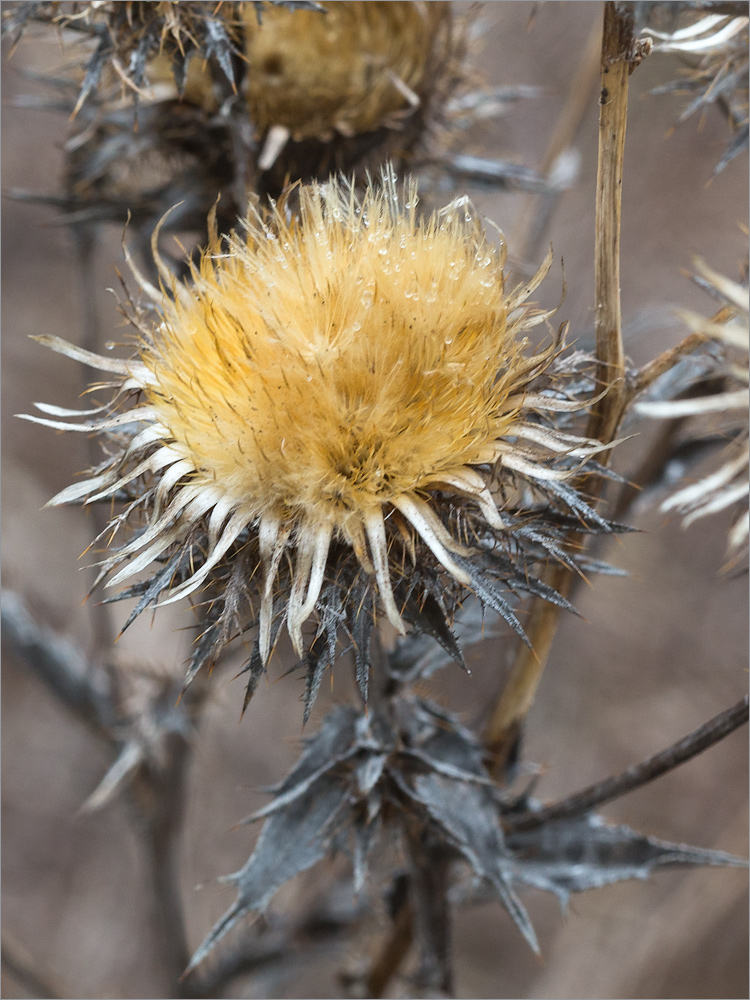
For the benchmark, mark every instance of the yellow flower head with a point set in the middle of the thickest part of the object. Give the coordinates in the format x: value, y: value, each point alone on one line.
x: 340, y: 404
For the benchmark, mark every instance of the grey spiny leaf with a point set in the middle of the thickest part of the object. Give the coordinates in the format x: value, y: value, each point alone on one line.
x: 290, y: 842
x: 585, y: 852
x: 469, y: 816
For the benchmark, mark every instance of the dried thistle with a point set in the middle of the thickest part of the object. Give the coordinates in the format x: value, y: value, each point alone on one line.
x: 338, y: 417
x: 724, y: 412
x: 361, y: 69
x: 183, y: 105
x: 716, y: 50
x: 130, y: 33
x: 413, y: 778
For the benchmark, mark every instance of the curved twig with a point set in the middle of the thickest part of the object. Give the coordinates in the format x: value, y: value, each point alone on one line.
x: 684, y: 749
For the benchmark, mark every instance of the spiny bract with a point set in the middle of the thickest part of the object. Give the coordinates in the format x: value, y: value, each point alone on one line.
x: 334, y: 410
x: 724, y: 411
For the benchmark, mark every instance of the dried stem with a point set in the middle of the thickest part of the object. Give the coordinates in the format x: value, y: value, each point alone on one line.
x: 619, y: 54
x: 158, y: 794
x: 616, y: 67
x: 517, y: 697
x: 393, y: 952
x: 660, y: 365
x: 639, y: 774
x: 157, y: 790
x: 428, y: 891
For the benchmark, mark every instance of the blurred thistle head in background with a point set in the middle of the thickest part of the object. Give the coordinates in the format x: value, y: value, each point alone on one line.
x: 357, y: 83
x: 717, y: 395
x: 338, y: 417
x: 180, y: 102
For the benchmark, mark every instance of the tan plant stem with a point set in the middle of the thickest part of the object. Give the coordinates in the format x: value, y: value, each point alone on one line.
x: 619, y: 55
x: 518, y: 695
x: 616, y: 66
x: 392, y: 953
x: 660, y: 365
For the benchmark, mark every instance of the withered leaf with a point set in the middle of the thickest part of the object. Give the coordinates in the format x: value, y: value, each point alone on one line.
x: 586, y: 852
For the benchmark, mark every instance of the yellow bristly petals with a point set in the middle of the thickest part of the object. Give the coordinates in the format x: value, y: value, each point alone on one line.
x: 327, y: 367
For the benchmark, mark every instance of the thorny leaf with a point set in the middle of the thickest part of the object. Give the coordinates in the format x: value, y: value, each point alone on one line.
x: 131, y: 33
x: 427, y: 618
x: 586, y: 852
x: 147, y: 591
x: 714, y: 49
x: 256, y: 668
x: 468, y: 818
x: 420, y: 758
x: 411, y: 769
x: 290, y: 842
x: 417, y: 655
x: 219, y: 45
x: 737, y: 144
x: 333, y: 743
x: 488, y: 591
x: 494, y: 173
x: 361, y: 633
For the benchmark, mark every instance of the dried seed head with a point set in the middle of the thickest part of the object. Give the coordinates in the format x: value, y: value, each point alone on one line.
x: 189, y: 101
x: 349, y: 389
x: 357, y: 68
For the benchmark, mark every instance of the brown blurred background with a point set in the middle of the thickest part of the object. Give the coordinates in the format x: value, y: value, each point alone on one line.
x: 657, y: 654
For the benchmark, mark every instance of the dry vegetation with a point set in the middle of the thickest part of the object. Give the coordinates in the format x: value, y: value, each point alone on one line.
x: 121, y: 794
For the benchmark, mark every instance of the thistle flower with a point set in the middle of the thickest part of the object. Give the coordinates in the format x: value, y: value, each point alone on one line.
x: 725, y: 410
x: 362, y: 69
x: 337, y: 417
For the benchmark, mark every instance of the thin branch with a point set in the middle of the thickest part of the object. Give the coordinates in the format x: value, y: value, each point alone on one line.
x: 684, y: 749
x: 660, y: 365
x: 19, y: 964
x: 78, y: 684
x: 518, y: 695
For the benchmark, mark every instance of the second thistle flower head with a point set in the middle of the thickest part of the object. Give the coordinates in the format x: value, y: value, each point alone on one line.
x: 335, y: 418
